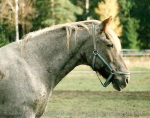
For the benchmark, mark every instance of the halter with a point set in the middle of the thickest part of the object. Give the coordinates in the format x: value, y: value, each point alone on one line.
x: 96, y: 54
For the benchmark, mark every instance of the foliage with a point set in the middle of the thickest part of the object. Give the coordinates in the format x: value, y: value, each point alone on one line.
x: 129, y: 36
x: 26, y: 15
x: 105, y: 10
x: 57, y: 13
x: 3, y: 40
x: 91, y: 13
x: 130, y: 24
x: 141, y: 11
x: 131, y: 17
x: 7, y: 18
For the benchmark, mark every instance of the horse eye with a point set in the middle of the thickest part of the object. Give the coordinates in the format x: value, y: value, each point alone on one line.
x: 110, y: 45
x: 107, y: 37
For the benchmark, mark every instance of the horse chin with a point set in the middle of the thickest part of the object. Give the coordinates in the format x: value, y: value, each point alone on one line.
x: 116, y: 85
x: 115, y: 82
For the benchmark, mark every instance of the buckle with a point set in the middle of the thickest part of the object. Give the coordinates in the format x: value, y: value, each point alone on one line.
x: 95, y: 52
x: 113, y: 72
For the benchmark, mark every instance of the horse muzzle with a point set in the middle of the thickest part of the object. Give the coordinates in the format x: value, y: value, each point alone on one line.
x: 121, y: 82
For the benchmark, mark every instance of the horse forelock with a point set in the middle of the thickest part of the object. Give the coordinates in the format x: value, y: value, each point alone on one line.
x: 115, y: 40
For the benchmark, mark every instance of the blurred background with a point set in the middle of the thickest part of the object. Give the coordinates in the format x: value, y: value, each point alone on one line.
x: 131, y: 18
x: 80, y: 93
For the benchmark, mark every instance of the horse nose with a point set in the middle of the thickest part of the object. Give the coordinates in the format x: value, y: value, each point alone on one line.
x: 127, y: 80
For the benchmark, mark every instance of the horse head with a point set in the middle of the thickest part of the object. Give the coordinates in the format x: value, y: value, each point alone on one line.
x: 104, y: 55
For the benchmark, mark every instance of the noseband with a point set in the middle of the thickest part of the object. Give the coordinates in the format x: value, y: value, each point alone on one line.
x: 96, y: 54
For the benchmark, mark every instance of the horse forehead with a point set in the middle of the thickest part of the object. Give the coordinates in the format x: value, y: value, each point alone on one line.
x: 114, y: 39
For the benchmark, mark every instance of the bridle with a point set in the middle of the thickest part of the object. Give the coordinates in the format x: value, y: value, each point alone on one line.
x: 96, y: 54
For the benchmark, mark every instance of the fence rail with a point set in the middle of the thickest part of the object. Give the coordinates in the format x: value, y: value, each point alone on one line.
x: 135, y: 53
x: 90, y: 72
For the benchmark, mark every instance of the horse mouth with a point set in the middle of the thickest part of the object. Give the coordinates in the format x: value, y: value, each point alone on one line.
x: 116, y: 85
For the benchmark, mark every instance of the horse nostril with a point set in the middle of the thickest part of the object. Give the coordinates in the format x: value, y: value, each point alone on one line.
x: 127, y: 80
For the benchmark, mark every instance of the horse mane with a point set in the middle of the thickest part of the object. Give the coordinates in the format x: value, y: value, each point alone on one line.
x: 68, y: 26
x: 76, y: 26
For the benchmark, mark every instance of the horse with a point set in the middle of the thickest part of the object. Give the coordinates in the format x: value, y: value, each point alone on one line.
x: 30, y: 68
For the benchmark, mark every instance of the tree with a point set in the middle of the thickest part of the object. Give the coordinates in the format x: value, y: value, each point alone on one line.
x: 141, y: 12
x: 3, y: 40
x: 129, y: 36
x: 61, y: 11
x: 7, y: 11
x: 16, y: 20
x: 91, y: 13
x: 26, y: 13
x: 33, y: 15
x: 108, y: 8
x: 130, y: 24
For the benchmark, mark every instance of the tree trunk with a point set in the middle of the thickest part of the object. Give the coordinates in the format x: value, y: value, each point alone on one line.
x: 16, y: 20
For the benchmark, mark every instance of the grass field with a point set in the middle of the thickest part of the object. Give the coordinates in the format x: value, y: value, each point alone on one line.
x: 82, y: 96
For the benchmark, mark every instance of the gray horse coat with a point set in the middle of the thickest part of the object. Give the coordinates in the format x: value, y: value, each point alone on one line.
x: 32, y: 67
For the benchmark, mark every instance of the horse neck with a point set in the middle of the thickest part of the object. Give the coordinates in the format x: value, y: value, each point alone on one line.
x: 68, y: 59
x: 52, y: 53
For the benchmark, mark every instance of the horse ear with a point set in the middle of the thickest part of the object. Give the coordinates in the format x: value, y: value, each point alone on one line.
x: 105, y: 23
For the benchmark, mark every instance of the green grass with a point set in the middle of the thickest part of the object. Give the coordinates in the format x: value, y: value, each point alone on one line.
x: 132, y: 68
x: 90, y: 82
x: 71, y: 104
x: 139, y: 69
x: 82, y: 96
